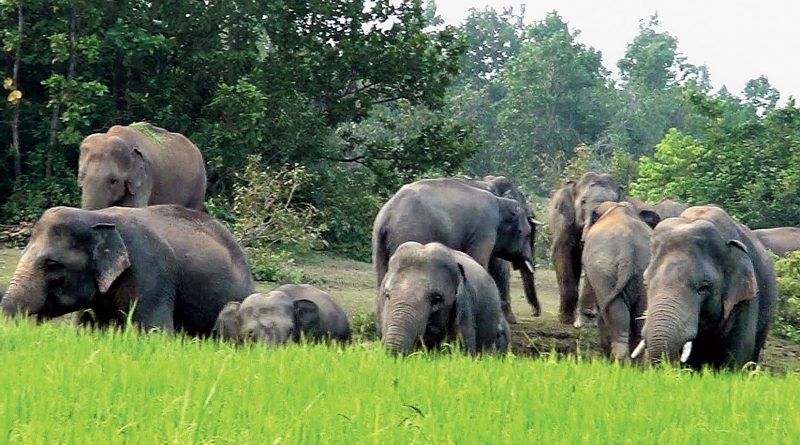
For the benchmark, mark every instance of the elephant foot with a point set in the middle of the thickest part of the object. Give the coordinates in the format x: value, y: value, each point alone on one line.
x: 566, y: 318
x: 585, y: 318
x: 620, y: 351
x: 509, y: 316
x: 537, y: 312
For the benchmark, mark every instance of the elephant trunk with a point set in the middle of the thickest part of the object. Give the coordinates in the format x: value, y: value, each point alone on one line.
x: 91, y: 202
x: 404, y: 328
x: 529, y: 286
x: 669, y: 326
x: 25, y: 293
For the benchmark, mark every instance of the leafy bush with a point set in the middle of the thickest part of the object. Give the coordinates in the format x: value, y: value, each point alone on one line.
x: 31, y: 196
x: 269, y: 224
x: 787, y: 319
x: 364, y: 327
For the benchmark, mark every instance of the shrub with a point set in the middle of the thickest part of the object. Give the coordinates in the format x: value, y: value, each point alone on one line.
x: 269, y: 224
x: 787, y: 318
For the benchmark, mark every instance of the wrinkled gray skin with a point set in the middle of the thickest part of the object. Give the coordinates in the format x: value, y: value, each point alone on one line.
x: 179, y: 266
x: 460, y: 216
x: 711, y: 282
x: 615, y: 254
x: 669, y: 208
x: 433, y: 294
x: 570, y: 210
x: 500, y: 269
x: 780, y: 240
x: 289, y: 313
x: 124, y: 167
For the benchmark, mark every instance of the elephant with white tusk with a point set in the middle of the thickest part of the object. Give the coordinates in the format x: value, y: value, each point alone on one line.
x: 711, y: 291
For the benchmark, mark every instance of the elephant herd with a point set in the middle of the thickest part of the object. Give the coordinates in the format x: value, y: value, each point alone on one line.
x: 685, y: 284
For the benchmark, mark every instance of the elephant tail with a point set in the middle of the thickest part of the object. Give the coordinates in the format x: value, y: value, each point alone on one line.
x: 624, y: 276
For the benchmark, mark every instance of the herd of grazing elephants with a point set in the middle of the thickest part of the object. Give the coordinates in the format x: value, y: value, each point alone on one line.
x: 661, y: 282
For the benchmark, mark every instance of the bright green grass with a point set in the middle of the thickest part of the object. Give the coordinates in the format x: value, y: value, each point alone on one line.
x: 63, y: 386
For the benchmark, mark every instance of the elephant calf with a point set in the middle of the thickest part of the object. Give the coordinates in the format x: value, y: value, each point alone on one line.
x: 432, y: 293
x: 711, y: 291
x: 615, y: 254
x: 288, y: 313
x: 177, y: 266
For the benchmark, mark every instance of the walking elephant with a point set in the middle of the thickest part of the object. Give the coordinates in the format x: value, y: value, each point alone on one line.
x: 462, y: 217
x: 615, y: 254
x: 174, y: 266
x: 499, y: 269
x: 570, y: 209
x: 431, y: 294
x: 779, y: 240
x: 140, y: 165
x: 711, y: 291
x: 288, y: 313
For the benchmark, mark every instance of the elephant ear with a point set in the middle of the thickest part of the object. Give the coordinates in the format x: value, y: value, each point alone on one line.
x: 137, y: 173
x: 461, y: 314
x: 562, y: 207
x: 650, y: 217
x: 228, y: 324
x: 510, y: 212
x: 741, y: 284
x: 109, y: 255
x: 306, y: 319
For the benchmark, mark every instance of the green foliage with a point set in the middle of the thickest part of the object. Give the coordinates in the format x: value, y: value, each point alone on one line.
x: 787, y: 317
x: 30, y: 196
x: 363, y: 327
x: 268, y: 223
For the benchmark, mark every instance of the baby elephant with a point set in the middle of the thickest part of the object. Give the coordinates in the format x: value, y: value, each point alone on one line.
x: 432, y: 294
x: 285, y: 314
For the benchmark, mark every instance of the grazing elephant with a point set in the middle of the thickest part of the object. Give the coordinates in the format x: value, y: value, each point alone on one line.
x: 615, y: 254
x: 432, y: 293
x: 780, y: 240
x: 177, y: 266
x: 462, y: 217
x: 669, y: 208
x: 570, y: 209
x: 288, y: 313
x: 711, y: 291
x: 500, y: 269
x: 140, y: 165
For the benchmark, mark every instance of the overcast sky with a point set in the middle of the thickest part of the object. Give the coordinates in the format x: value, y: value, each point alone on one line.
x: 738, y: 40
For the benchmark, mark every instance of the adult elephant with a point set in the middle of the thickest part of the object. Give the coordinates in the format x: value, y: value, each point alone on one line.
x: 668, y: 208
x: 460, y: 216
x: 711, y: 291
x: 779, y: 240
x: 140, y: 165
x: 431, y: 294
x: 176, y: 267
x: 616, y: 253
x: 570, y: 210
x: 499, y: 269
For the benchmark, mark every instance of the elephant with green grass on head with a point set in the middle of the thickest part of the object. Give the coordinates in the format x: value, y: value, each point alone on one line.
x: 140, y: 165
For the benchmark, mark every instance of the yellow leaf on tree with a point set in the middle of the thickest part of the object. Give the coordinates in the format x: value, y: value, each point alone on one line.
x: 15, y: 96
x: 8, y: 83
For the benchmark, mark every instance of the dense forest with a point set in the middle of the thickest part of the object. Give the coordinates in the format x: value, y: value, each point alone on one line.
x: 326, y: 107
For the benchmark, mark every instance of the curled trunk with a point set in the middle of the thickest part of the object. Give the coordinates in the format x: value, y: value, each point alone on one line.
x: 25, y: 293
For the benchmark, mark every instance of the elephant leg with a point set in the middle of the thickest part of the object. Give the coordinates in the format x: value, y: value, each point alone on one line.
x: 500, y: 272
x: 616, y: 323
x: 587, y: 306
x: 567, y: 262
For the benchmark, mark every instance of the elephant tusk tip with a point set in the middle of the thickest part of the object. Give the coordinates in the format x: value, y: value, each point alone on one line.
x: 529, y: 266
x: 638, y: 351
x: 686, y: 352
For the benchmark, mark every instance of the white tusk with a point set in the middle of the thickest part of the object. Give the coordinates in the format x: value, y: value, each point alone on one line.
x: 639, y: 349
x: 536, y: 222
x: 529, y: 266
x: 686, y: 352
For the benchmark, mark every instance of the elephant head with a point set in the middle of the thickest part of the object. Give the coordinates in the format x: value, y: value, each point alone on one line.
x: 699, y: 272
x: 274, y: 319
x: 420, y: 294
x: 109, y: 170
x: 515, y: 241
x: 591, y: 190
x: 70, y: 260
x: 645, y: 214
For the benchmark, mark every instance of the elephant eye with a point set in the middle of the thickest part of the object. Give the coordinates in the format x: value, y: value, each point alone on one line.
x: 113, y: 181
x: 436, y: 299
x: 704, y: 289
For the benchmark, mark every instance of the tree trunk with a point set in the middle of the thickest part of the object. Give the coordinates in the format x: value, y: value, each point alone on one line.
x: 55, y: 119
x: 15, y: 144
